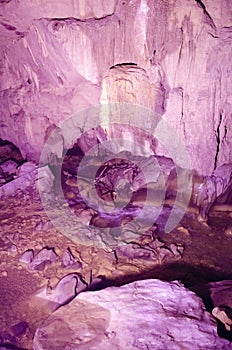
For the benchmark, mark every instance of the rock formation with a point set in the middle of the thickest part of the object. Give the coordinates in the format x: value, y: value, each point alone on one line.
x: 172, y: 57
x: 148, y: 314
x: 115, y: 130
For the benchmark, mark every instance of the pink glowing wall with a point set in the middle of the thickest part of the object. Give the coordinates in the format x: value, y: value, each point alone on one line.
x: 56, y: 58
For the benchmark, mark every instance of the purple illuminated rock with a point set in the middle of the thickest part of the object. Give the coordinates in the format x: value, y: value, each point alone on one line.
x: 218, y: 185
x: 148, y: 314
x: 43, y: 226
x: 26, y: 168
x: 27, y: 256
x: 12, y: 249
x: 68, y: 260
x: 172, y: 57
x: 19, y: 329
x: 26, y: 177
x: 65, y: 290
x: 9, y: 167
x: 45, y: 256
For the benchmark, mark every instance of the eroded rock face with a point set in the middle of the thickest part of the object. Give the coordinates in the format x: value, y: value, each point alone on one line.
x: 145, y: 314
x: 171, y: 57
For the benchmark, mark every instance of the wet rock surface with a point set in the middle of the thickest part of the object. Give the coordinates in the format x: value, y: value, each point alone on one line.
x: 146, y: 314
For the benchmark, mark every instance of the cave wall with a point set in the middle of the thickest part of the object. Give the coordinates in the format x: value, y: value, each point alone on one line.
x: 58, y: 58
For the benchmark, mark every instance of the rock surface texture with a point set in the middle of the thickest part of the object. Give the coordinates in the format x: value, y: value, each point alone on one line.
x: 76, y: 76
x: 173, y: 57
x: 221, y: 295
x: 148, y: 314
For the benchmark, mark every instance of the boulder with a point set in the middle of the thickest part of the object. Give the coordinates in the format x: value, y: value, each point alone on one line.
x: 149, y: 314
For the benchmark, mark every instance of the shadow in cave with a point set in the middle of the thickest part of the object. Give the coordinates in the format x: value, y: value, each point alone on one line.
x: 223, y: 333
x: 10, y: 159
x: 10, y: 346
x: 192, y: 277
x: 8, y: 151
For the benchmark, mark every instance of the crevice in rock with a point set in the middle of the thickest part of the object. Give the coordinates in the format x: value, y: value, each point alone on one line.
x: 124, y: 64
x: 74, y: 19
x: 115, y: 256
x: 181, y: 45
x: 213, y: 35
x: 218, y: 138
x: 8, y: 26
x: 182, y: 121
x: 202, y: 5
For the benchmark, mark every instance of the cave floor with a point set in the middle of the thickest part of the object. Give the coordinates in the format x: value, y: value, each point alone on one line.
x: 207, y: 257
